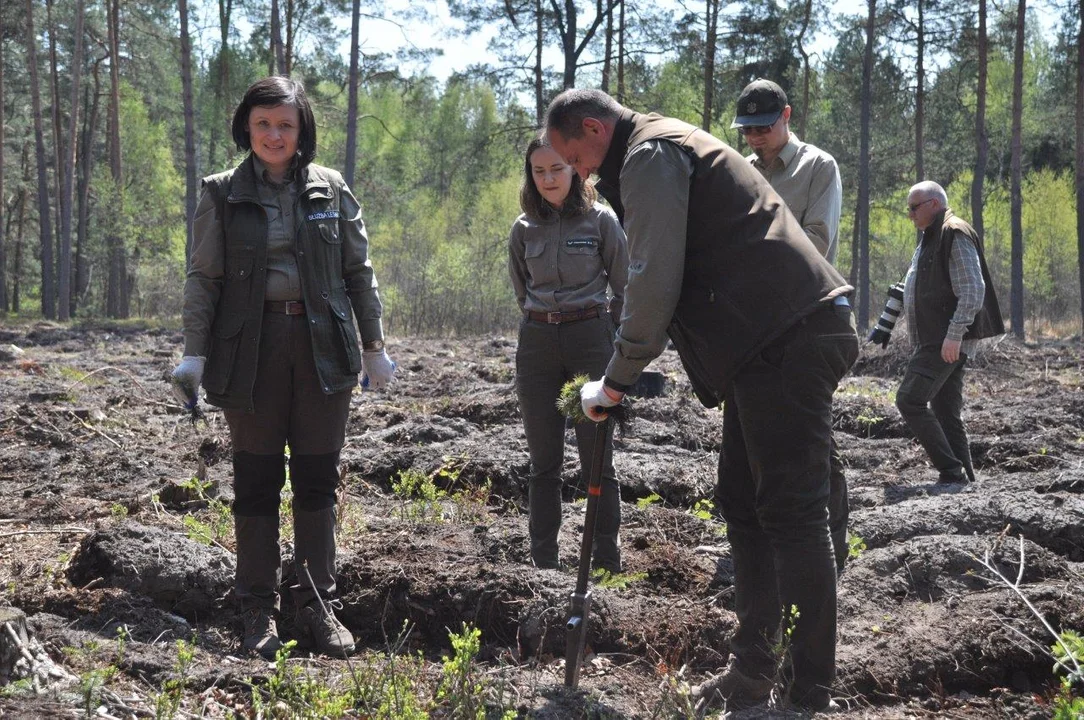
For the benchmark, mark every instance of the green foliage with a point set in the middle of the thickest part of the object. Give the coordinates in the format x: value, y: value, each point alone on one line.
x: 568, y: 401
x: 168, y: 702
x: 461, y: 690
x: 420, y: 496
x: 616, y: 581
x: 645, y: 502
x: 703, y: 509
x: 214, y: 523
x: 299, y: 693
x: 855, y: 546
x: 1067, y: 704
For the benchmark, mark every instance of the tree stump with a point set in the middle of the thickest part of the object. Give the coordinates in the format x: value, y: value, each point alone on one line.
x: 13, y: 641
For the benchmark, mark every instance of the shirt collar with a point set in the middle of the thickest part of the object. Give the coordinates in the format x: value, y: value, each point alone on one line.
x: 785, y: 156
x: 263, y: 178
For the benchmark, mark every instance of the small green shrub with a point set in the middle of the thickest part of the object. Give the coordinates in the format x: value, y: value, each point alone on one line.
x: 855, y: 546
x: 703, y: 509
x: 645, y: 502
x: 421, y: 497
x: 616, y: 581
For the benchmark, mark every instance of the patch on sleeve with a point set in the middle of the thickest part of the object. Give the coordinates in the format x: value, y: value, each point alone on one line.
x: 324, y: 215
x: 582, y: 242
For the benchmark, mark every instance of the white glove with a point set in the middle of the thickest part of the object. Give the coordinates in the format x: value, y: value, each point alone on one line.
x: 378, y: 370
x: 186, y: 379
x: 595, y: 395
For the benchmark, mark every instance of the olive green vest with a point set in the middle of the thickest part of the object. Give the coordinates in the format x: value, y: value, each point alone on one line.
x: 230, y: 372
x: 750, y: 271
x: 935, y: 302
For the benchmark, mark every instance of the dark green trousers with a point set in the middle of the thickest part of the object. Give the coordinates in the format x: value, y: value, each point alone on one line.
x: 290, y: 409
x: 931, y: 399
x: 774, y: 486
x: 547, y: 357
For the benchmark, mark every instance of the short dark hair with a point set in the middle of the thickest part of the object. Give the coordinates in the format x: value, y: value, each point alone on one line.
x: 581, y: 195
x: 568, y: 110
x: 271, y: 92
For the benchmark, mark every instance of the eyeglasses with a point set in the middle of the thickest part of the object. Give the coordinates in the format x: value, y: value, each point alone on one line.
x: 916, y: 206
x: 757, y: 129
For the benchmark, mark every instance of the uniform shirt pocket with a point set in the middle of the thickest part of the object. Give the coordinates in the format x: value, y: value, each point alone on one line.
x: 580, y: 260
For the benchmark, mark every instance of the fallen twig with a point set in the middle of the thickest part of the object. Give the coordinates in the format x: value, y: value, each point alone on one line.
x: 45, y: 532
x: 90, y: 427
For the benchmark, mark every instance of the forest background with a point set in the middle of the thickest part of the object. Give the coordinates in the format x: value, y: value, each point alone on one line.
x: 113, y: 110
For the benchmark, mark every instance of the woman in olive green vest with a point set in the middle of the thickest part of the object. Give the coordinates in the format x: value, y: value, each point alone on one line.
x: 564, y: 250
x: 278, y: 273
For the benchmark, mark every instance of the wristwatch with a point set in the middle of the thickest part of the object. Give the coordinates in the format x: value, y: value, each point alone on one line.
x: 372, y: 345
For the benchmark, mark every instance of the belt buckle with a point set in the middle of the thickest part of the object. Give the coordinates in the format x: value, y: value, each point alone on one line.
x: 553, y: 318
x: 291, y: 305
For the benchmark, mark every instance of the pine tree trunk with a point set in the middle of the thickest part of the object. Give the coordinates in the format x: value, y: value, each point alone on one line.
x: 1016, y: 296
x: 807, y: 17
x: 920, y: 93
x: 189, y: 129
x: 58, y: 138
x: 1080, y: 157
x: 568, y: 44
x: 288, y: 51
x: 862, y: 214
x: 17, y: 268
x: 64, y: 269
x: 609, y: 47
x: 117, y: 285
x: 711, y: 26
x: 20, y: 236
x: 982, y: 138
x: 86, y: 168
x: 48, y: 288
x: 621, y: 54
x: 278, y: 60
x: 352, y: 94
x: 540, y: 108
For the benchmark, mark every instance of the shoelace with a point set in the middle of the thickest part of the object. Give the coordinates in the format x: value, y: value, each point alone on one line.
x: 327, y: 613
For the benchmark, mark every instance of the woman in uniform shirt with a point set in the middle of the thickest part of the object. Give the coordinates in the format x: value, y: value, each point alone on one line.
x: 278, y: 273
x: 564, y: 251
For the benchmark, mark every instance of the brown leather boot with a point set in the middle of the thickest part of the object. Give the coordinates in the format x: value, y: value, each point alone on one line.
x: 318, y: 625
x: 261, y: 632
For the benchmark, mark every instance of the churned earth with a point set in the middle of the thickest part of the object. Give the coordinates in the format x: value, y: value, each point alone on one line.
x: 112, y: 525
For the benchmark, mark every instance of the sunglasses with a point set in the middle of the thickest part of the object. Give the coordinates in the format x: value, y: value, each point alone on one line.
x: 916, y: 206
x: 757, y: 129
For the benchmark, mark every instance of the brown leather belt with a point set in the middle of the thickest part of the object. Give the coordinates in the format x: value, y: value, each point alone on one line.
x: 556, y: 318
x: 284, y: 307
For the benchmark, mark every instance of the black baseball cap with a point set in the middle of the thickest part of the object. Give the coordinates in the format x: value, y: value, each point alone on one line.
x: 760, y: 103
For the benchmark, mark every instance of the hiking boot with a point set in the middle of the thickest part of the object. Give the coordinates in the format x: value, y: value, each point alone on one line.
x: 946, y: 477
x: 732, y: 688
x: 261, y: 632
x: 318, y: 625
x: 818, y: 700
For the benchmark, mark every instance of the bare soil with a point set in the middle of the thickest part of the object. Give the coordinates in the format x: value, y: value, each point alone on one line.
x: 95, y: 455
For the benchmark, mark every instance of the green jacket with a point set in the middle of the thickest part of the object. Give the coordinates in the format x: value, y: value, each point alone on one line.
x: 337, y: 283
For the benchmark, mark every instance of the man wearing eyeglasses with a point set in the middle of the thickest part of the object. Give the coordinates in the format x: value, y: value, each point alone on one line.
x: 949, y: 303
x: 762, y: 324
x: 807, y: 178
x: 804, y: 175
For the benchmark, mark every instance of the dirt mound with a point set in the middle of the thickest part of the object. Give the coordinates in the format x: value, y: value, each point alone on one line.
x: 114, y: 519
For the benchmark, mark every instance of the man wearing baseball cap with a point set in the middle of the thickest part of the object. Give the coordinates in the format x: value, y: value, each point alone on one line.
x: 807, y: 178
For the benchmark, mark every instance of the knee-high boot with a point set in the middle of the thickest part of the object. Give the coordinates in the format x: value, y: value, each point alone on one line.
x: 314, y: 554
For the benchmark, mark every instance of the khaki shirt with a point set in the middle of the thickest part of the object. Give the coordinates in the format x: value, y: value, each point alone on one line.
x: 565, y: 264
x: 807, y: 178
x: 279, y: 203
